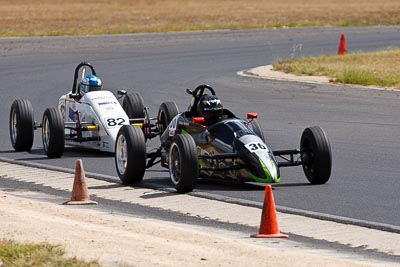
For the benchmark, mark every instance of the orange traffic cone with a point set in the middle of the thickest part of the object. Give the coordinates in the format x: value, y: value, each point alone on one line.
x: 80, y: 194
x: 342, y: 45
x: 269, y: 225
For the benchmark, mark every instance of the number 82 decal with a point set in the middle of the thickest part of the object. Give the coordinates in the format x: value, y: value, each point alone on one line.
x: 112, y: 122
x: 253, y: 147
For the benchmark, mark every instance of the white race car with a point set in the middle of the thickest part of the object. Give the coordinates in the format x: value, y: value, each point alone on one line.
x: 88, y: 119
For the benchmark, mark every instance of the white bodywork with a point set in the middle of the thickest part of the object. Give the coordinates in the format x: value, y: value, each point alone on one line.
x: 95, y: 108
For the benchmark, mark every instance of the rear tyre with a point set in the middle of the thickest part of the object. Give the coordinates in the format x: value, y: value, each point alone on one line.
x: 133, y: 106
x: 316, y: 156
x: 257, y: 129
x: 21, y: 125
x: 183, y: 166
x: 53, y: 133
x: 130, y: 154
x: 166, y: 112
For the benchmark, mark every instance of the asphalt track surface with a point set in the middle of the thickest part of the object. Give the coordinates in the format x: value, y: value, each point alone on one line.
x: 362, y: 124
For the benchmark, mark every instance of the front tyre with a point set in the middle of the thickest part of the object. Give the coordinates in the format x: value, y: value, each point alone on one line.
x: 21, y: 125
x: 130, y: 154
x: 316, y: 156
x: 166, y: 112
x: 183, y: 166
x: 53, y: 133
x: 257, y: 129
x: 133, y: 106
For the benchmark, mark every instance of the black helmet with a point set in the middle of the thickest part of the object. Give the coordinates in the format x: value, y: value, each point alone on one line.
x: 209, y: 107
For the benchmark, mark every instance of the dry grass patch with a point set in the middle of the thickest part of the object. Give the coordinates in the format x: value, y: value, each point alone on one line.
x: 72, y: 17
x: 376, y: 68
x: 35, y: 255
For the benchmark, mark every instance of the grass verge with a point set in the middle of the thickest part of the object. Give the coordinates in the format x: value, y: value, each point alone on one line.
x: 15, y: 254
x: 380, y: 68
x: 75, y: 17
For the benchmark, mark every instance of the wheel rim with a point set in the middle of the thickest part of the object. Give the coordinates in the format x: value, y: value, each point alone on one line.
x: 163, y: 123
x: 174, y: 164
x: 121, y: 152
x: 13, y: 126
x: 45, y: 133
x: 307, y: 157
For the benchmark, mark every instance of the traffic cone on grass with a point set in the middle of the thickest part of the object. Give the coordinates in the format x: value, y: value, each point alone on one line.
x: 342, y: 50
x: 269, y: 224
x: 80, y: 194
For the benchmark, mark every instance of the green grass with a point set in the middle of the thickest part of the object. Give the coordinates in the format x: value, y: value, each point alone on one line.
x: 370, y: 69
x: 15, y: 254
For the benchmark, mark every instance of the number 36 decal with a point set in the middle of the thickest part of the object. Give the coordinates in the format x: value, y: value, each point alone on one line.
x: 112, y: 122
x: 253, y: 147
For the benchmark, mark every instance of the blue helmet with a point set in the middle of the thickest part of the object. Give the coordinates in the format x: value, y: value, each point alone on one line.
x: 90, y: 83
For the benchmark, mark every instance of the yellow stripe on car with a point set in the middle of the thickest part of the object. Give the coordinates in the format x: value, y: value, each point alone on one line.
x: 93, y: 127
x: 138, y: 124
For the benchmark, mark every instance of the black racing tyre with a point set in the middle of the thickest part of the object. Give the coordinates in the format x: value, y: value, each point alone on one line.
x: 316, y: 156
x: 53, y: 133
x: 257, y: 129
x: 183, y: 163
x: 133, y: 106
x: 21, y: 125
x: 130, y: 154
x: 166, y: 112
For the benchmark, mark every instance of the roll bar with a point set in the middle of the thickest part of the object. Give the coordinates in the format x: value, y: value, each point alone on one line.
x: 75, y: 88
x: 199, y: 91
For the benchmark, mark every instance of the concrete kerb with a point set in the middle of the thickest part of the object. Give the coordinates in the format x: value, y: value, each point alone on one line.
x: 268, y: 73
x: 197, y: 204
x: 230, y: 200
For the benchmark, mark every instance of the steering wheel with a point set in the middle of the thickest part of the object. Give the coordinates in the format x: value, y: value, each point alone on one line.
x: 197, y: 93
x: 75, y: 88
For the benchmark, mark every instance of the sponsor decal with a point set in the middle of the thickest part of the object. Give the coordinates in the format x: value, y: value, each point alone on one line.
x: 212, y: 104
x: 100, y: 97
x: 211, y: 101
x: 72, y: 114
x: 107, y: 103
